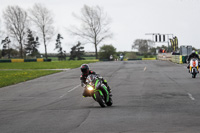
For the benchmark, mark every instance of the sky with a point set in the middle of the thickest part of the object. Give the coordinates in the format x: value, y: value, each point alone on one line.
x: 130, y: 20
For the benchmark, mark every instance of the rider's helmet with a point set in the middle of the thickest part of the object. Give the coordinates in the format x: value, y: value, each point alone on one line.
x: 91, y: 79
x: 85, y: 69
x: 193, y: 51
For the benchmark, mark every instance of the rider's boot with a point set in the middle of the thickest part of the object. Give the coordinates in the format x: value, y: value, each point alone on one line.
x: 109, y: 90
x: 108, y: 87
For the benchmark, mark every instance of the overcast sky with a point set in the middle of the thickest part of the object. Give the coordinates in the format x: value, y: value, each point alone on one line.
x: 131, y: 19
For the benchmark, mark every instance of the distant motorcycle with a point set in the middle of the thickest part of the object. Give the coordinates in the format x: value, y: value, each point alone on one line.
x: 194, y: 66
x: 121, y: 57
x: 98, y: 90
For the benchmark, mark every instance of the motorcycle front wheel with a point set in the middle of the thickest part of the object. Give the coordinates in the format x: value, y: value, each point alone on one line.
x: 193, y: 75
x: 110, y: 102
x: 100, y: 99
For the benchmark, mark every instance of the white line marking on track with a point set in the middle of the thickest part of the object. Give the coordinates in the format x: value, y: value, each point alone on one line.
x: 70, y: 90
x: 145, y: 68
x: 190, y: 96
x: 74, y: 88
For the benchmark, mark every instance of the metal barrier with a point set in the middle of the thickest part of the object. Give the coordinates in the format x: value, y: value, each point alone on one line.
x: 177, y: 59
x: 164, y: 56
x: 148, y: 58
x: 26, y: 60
x: 173, y: 58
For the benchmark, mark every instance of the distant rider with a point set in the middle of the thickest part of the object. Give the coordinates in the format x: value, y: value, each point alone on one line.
x: 85, y: 72
x: 192, y: 55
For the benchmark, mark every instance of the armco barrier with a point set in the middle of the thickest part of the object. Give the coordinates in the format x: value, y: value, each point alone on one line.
x: 26, y: 60
x: 134, y: 59
x: 104, y: 60
x: 164, y: 56
x: 30, y: 60
x: 148, y: 58
x: 177, y: 59
x: 17, y: 60
x: 40, y: 60
x: 3, y: 61
x: 174, y: 58
x: 47, y: 60
x: 181, y: 59
x: 184, y: 58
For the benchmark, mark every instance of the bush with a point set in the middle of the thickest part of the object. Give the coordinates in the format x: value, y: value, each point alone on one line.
x: 131, y: 55
x: 106, y: 51
x: 151, y: 56
x: 145, y: 56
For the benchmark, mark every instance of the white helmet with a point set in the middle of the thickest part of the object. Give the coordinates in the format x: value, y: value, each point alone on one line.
x: 193, y: 51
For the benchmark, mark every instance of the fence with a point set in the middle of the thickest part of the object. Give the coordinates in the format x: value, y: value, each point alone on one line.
x: 174, y: 58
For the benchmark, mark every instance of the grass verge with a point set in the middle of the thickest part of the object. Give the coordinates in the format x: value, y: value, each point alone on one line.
x: 45, y: 65
x: 30, y: 70
x: 14, y: 77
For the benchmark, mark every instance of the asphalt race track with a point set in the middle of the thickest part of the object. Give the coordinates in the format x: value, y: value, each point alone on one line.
x: 148, y: 96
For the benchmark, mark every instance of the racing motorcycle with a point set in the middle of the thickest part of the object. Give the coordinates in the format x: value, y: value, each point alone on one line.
x: 96, y: 89
x: 194, y: 64
x: 121, y: 57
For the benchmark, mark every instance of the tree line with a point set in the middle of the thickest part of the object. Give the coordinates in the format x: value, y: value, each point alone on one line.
x: 30, y: 28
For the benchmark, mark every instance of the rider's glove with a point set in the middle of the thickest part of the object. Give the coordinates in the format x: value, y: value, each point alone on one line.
x: 83, y: 85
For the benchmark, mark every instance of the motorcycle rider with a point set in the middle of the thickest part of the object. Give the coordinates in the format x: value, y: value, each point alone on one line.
x: 85, y: 72
x: 192, y: 55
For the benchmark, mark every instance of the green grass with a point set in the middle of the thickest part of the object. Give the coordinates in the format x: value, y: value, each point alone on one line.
x: 14, y: 77
x: 30, y: 70
x: 45, y: 65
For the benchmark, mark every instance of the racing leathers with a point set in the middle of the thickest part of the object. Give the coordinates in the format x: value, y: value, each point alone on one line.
x: 192, y: 55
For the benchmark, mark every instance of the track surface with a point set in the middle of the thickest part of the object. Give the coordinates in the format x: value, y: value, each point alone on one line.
x: 148, y: 96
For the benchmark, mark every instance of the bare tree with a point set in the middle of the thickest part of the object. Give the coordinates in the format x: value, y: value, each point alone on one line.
x: 43, y: 19
x: 0, y: 30
x: 16, y: 24
x: 143, y: 46
x: 94, y: 26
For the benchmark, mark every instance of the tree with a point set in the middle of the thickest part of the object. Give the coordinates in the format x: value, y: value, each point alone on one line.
x: 7, y: 50
x: 106, y: 51
x: 6, y: 47
x: 32, y: 44
x: 80, y: 51
x: 152, y: 50
x: 94, y: 26
x: 131, y: 55
x: 77, y: 52
x: 142, y: 45
x: 43, y: 20
x: 0, y: 29
x: 61, y: 53
x: 16, y: 24
x: 73, y: 53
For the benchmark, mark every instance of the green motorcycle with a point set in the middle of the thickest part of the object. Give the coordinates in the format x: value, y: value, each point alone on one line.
x: 97, y: 90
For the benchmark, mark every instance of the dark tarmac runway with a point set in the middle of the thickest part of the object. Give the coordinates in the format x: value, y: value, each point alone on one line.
x: 148, y: 96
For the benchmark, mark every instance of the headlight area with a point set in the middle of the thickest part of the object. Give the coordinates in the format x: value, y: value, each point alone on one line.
x: 89, y: 88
